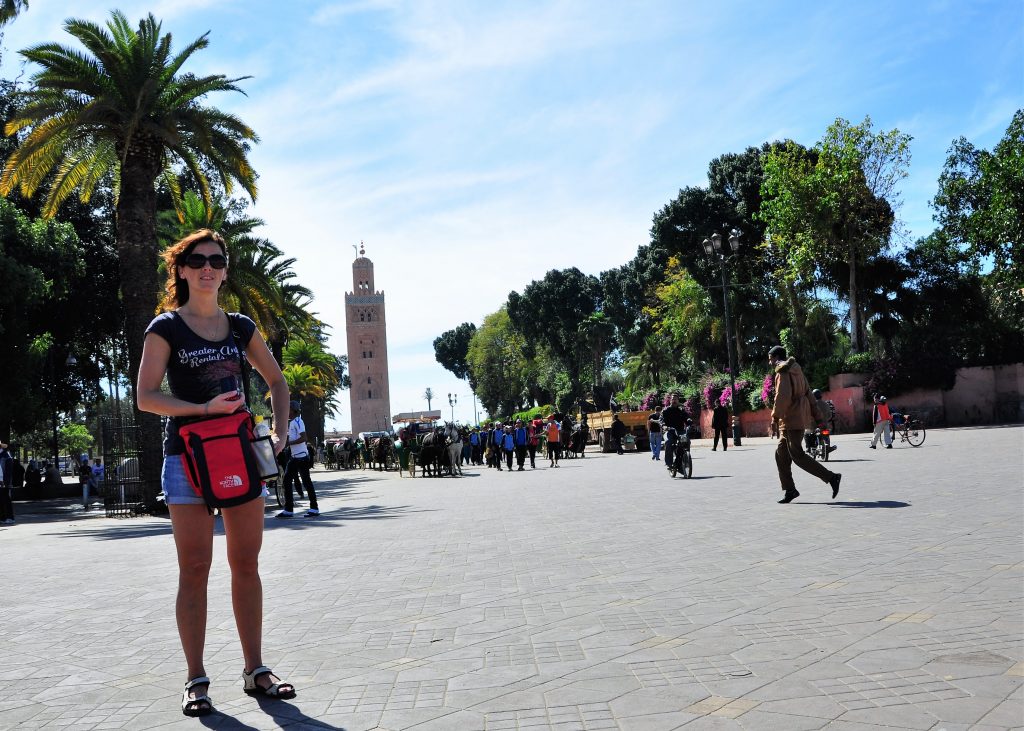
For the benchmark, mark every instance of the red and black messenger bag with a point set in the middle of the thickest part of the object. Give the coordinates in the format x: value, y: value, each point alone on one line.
x: 219, y: 459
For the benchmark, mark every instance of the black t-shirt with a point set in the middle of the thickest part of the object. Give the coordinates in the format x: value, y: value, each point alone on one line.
x: 199, y: 369
x: 654, y: 423
x: 675, y: 417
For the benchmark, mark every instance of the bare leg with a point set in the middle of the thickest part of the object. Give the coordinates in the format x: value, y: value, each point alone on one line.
x: 243, y: 528
x: 193, y: 539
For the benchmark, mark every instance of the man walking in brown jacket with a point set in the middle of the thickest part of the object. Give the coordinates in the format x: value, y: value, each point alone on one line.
x: 793, y: 411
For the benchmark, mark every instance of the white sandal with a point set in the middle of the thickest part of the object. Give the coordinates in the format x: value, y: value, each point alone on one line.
x: 280, y: 690
x: 193, y: 707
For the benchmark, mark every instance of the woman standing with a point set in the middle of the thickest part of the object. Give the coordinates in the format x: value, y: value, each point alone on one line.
x: 199, y: 347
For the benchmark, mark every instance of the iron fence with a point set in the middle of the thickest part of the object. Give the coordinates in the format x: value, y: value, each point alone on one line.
x: 122, y: 488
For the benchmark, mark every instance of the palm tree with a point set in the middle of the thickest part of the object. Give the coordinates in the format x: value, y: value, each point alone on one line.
x: 259, y: 284
x: 310, y: 354
x: 9, y: 9
x: 651, y: 366
x: 124, y: 109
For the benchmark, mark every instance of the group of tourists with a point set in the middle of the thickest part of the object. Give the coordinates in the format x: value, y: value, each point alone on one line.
x: 496, y: 444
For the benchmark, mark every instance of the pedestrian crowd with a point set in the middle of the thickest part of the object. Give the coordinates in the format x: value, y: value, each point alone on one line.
x: 496, y: 444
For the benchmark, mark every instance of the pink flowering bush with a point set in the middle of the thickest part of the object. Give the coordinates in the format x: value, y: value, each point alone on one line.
x: 649, y: 402
x: 741, y: 386
x: 708, y: 393
x: 768, y: 389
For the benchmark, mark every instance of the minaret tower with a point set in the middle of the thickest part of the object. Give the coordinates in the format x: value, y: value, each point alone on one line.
x: 369, y: 396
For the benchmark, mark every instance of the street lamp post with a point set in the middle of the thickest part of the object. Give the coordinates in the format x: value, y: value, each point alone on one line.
x: 716, y: 249
x: 453, y: 399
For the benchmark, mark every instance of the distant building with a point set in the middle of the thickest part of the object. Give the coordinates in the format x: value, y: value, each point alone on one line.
x: 366, y: 328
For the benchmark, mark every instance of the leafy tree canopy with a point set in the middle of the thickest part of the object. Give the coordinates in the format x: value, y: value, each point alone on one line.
x: 980, y: 207
x: 835, y: 203
x: 452, y: 347
x: 550, y: 311
x: 497, y: 364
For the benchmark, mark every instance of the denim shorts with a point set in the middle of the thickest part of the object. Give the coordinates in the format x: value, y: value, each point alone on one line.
x: 177, y: 489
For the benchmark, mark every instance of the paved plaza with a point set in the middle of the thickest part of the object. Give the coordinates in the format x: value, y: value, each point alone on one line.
x: 600, y: 595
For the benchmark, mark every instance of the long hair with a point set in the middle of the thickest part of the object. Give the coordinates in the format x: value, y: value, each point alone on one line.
x: 176, y: 288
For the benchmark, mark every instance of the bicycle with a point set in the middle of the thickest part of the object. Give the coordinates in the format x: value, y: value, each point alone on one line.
x: 908, y: 429
x: 817, y: 444
x: 677, y: 454
x: 276, y: 489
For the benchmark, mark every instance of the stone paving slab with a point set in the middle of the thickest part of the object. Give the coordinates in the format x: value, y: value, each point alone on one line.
x: 601, y: 595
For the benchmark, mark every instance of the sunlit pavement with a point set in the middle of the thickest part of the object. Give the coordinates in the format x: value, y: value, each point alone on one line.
x: 600, y: 595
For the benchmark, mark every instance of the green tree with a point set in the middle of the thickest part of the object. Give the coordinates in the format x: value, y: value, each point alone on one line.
x: 947, y: 320
x: 652, y: 367
x: 836, y: 204
x: 980, y: 207
x: 497, y: 364
x: 74, y: 439
x: 550, y: 312
x: 51, y: 305
x: 125, y: 109
x: 320, y: 383
x: 451, y: 347
x: 598, y: 335
x: 732, y: 199
x: 261, y: 283
x: 685, y: 315
x: 9, y: 10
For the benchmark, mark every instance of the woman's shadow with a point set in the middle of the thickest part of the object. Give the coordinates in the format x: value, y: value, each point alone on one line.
x: 283, y: 713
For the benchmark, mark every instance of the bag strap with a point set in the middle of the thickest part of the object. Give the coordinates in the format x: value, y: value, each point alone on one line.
x: 243, y: 362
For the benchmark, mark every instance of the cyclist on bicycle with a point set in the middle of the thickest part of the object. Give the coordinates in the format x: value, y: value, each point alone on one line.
x: 823, y: 415
x: 673, y: 420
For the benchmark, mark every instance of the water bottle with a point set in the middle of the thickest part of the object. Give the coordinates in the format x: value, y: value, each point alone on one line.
x: 263, y: 446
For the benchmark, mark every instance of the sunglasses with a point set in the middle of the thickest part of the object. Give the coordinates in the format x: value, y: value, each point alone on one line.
x: 198, y: 261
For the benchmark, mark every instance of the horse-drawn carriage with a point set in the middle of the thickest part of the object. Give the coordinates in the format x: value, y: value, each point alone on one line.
x: 341, y: 454
x: 379, y: 450
x: 436, y: 450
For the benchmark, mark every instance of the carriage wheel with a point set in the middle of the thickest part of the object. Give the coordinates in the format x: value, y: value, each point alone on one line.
x: 389, y: 461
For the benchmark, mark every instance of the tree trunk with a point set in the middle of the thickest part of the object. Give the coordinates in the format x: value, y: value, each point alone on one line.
x: 741, y: 355
x: 855, y: 341
x: 137, y: 251
x: 313, y: 418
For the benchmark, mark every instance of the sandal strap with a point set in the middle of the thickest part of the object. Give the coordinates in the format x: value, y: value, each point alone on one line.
x: 202, y: 679
x: 273, y: 690
x: 256, y: 672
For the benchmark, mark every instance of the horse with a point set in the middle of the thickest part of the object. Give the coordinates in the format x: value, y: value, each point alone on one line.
x: 431, y: 449
x: 377, y: 452
x: 453, y: 437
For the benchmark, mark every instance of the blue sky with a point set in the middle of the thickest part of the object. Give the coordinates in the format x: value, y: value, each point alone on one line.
x: 475, y: 145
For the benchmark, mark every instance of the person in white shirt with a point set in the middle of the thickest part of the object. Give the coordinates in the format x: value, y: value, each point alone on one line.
x: 298, y: 465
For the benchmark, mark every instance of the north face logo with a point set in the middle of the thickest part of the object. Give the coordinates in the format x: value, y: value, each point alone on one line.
x: 230, y: 481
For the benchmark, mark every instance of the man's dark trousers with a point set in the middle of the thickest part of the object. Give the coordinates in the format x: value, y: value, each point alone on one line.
x: 298, y: 467
x: 791, y: 451
x: 723, y: 431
